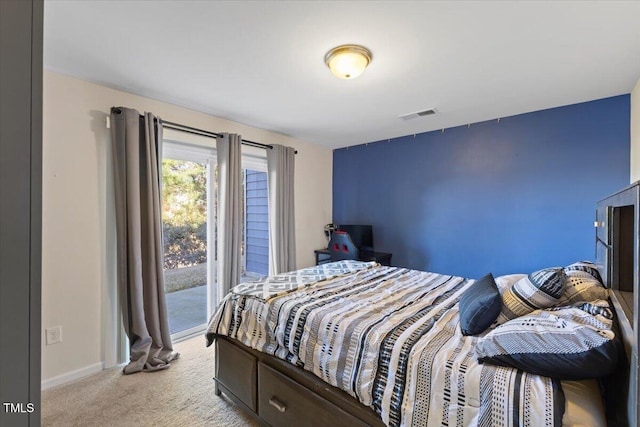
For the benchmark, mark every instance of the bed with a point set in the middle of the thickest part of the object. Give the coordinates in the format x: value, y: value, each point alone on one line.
x: 354, y: 343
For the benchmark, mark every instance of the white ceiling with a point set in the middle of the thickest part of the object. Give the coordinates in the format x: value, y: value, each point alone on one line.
x: 262, y: 63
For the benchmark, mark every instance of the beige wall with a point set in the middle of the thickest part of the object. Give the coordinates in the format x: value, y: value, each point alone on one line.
x: 78, y: 220
x: 635, y: 133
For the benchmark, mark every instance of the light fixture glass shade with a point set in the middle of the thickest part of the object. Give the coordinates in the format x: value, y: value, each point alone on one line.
x: 348, y: 61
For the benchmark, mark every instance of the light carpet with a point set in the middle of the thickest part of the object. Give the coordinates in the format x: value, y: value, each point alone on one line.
x: 179, y: 396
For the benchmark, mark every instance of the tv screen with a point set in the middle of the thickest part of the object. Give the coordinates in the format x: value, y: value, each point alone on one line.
x: 361, y: 235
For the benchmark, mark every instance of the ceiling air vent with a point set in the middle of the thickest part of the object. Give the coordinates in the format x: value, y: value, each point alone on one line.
x: 417, y: 114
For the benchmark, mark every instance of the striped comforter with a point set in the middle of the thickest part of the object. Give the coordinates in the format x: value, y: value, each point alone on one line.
x: 389, y: 337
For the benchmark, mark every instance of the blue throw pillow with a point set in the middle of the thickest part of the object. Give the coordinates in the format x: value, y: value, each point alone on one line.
x: 479, y: 306
x: 567, y: 343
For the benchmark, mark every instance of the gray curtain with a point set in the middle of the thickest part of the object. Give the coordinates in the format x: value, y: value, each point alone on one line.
x: 229, y: 232
x: 137, y: 155
x: 282, y: 235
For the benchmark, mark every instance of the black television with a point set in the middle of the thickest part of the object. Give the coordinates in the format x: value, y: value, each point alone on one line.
x: 361, y: 235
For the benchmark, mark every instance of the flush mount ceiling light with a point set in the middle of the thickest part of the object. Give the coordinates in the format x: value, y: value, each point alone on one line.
x: 348, y: 61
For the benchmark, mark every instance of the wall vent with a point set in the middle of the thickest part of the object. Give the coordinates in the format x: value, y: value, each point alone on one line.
x: 423, y: 113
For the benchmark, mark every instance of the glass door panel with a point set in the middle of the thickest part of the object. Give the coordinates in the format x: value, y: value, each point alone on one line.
x: 185, y: 212
x: 256, y: 225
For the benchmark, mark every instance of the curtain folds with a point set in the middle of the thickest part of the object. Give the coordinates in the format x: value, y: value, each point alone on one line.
x: 137, y: 155
x: 229, y: 233
x: 282, y: 239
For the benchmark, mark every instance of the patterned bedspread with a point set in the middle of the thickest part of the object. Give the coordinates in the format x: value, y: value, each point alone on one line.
x: 389, y: 337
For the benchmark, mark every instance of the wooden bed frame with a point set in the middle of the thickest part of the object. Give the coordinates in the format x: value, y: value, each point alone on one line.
x: 617, y: 257
x: 277, y: 393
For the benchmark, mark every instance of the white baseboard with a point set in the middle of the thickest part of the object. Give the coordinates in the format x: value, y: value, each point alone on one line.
x: 71, y: 376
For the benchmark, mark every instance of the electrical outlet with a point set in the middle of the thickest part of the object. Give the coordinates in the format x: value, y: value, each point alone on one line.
x: 54, y: 335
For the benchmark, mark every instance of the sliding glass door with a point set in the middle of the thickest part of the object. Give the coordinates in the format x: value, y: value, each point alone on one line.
x: 189, y: 203
x: 188, y: 219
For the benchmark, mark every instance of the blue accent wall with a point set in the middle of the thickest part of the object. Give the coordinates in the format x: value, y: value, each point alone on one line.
x: 505, y: 197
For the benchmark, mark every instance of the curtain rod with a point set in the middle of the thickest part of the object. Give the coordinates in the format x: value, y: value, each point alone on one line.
x: 200, y: 132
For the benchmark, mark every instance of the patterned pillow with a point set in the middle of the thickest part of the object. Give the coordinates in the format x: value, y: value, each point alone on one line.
x: 540, y: 289
x: 582, y: 289
x: 583, y: 269
x: 568, y: 343
x: 479, y: 306
x: 507, y: 281
x: 583, y: 284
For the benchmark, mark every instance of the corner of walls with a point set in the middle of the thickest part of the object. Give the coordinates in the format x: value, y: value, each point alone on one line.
x: 313, y: 199
x: 635, y: 133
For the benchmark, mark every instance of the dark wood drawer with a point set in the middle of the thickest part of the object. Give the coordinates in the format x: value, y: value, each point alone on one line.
x: 238, y: 373
x: 283, y: 402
